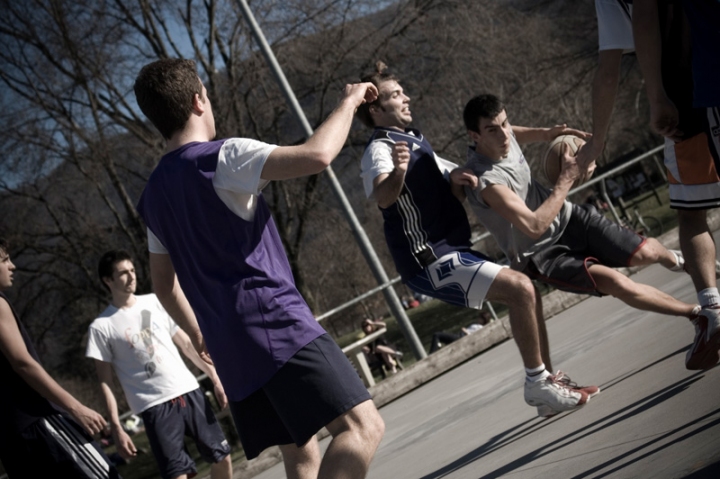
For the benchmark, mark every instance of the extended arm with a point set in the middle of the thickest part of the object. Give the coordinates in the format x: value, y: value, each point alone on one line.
x: 648, y: 46
x: 324, y: 145
x: 171, y: 296
x: 13, y: 347
x: 524, y: 134
x: 604, y: 92
x: 124, y: 444
x: 508, y: 204
x: 183, y: 342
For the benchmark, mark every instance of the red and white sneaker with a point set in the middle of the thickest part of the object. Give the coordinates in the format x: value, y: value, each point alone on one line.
x: 562, y: 378
x: 704, y: 351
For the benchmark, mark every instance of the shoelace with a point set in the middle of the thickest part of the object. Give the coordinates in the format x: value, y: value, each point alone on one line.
x: 564, y: 380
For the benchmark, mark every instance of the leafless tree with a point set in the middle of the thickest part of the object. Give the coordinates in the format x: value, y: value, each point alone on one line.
x: 78, y: 151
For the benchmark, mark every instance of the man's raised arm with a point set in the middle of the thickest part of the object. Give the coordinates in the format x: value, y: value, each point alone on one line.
x: 325, y: 144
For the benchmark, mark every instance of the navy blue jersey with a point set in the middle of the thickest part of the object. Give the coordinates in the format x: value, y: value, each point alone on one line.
x: 21, y: 405
x: 427, y: 220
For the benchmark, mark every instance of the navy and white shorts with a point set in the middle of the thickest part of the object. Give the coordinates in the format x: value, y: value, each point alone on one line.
x: 589, y: 238
x: 56, y: 446
x: 693, y: 164
x: 462, y: 278
x: 317, y: 385
x: 168, y: 423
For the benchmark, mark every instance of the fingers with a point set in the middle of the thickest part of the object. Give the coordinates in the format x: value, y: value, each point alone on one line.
x: 400, y: 154
x: 361, y: 93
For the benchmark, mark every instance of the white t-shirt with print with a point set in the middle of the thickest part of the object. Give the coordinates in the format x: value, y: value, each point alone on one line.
x: 138, y: 343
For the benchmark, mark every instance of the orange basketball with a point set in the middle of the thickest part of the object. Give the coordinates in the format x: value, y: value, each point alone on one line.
x: 552, y: 161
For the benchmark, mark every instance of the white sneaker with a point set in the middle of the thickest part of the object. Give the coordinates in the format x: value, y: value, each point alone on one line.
x: 554, y: 394
x: 703, y: 353
x: 562, y: 378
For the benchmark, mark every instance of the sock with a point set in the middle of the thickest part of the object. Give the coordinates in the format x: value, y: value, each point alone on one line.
x: 709, y: 298
x: 536, y: 374
x: 679, y: 262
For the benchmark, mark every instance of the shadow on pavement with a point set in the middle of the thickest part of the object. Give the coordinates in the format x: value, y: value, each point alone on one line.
x: 534, y: 425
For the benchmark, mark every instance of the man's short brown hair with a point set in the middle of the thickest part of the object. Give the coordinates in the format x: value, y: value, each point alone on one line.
x: 376, y: 78
x: 164, y: 90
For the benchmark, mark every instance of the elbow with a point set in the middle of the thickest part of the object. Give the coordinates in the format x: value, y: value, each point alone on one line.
x: 535, y: 232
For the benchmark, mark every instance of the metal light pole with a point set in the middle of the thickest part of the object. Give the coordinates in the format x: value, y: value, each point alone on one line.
x: 360, y: 236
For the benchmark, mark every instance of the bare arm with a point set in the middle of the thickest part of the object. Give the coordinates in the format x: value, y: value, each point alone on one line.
x: 387, y: 186
x: 125, y: 446
x: 14, y: 349
x: 524, y: 134
x: 183, y: 342
x: 171, y: 296
x: 508, y: 204
x: 648, y: 46
x: 604, y: 92
x: 323, y: 146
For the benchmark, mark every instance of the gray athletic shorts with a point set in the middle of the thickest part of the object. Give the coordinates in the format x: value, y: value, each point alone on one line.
x: 589, y: 238
x: 317, y: 385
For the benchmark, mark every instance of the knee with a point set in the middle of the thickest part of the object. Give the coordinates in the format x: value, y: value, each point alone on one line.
x: 372, y: 428
x: 648, y: 254
x: 521, y: 289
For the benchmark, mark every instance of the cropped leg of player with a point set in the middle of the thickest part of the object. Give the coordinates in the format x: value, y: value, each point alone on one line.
x: 698, y: 246
x: 356, y: 436
x: 301, y: 462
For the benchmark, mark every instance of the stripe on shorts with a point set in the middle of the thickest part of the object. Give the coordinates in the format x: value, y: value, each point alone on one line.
x: 693, y: 165
x: 460, y: 278
x: 76, y: 446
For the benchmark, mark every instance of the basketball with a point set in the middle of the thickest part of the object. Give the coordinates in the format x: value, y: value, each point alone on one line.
x: 552, y: 161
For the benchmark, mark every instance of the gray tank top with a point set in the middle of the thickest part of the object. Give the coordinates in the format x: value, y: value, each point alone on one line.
x: 513, y: 172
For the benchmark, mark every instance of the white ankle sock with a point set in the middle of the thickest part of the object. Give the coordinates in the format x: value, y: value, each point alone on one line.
x: 709, y: 298
x: 536, y: 374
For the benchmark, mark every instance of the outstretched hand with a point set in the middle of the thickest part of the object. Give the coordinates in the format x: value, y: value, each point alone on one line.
x: 563, y: 129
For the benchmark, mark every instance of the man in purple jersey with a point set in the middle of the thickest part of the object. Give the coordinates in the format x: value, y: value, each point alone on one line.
x: 219, y: 268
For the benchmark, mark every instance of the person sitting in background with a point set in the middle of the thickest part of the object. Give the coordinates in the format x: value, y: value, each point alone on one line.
x: 380, y: 348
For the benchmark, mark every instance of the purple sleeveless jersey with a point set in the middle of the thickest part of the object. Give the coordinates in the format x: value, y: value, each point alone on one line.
x: 234, y: 272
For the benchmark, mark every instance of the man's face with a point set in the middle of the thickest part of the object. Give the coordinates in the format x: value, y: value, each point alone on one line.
x: 493, y: 139
x: 393, y: 110
x: 123, y: 278
x: 6, y: 270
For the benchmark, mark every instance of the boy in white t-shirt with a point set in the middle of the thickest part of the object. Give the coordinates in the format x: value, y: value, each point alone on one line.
x: 137, y: 339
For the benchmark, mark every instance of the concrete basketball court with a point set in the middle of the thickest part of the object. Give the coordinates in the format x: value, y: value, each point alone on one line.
x: 653, y: 418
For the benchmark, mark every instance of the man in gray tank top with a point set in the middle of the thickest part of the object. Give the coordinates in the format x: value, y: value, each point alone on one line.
x: 571, y: 247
